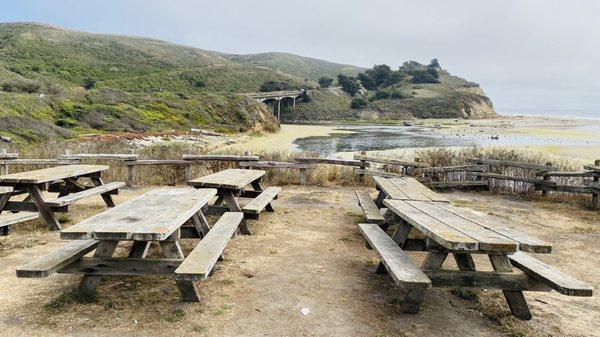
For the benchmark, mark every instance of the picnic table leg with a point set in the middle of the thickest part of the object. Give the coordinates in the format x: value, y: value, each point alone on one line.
x: 88, y: 283
x: 235, y: 207
x: 74, y: 186
x: 258, y: 187
x: 515, y: 299
x: 379, y: 199
x: 464, y: 261
x: 139, y: 249
x: 219, y: 200
x: 105, y: 196
x: 3, y: 200
x: 414, y: 298
x: 38, y: 200
x: 188, y: 289
x: 201, y: 224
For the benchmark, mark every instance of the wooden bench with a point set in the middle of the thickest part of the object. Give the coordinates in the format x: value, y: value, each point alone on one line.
x: 53, y: 262
x: 261, y: 202
x: 372, y: 213
x: 106, y: 189
x: 550, y: 276
x: 200, y: 262
x: 405, y: 273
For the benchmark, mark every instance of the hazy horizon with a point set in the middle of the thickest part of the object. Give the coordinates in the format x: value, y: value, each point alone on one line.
x: 526, y: 55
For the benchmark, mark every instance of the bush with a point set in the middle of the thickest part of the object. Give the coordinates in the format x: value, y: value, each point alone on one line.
x: 423, y: 76
x: 398, y: 95
x: 274, y: 86
x: 348, y: 84
x: 89, y: 83
x: 359, y: 103
x: 379, y: 95
x: 325, y: 82
x: 305, y: 98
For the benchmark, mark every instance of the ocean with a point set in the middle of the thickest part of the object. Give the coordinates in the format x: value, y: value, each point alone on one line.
x: 561, y: 113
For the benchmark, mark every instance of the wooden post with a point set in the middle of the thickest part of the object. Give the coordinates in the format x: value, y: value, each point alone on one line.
x: 546, y: 179
x: 129, y: 176
x: 4, y: 167
x: 303, y: 176
x: 595, y: 201
x: 361, y: 176
x: 188, y: 172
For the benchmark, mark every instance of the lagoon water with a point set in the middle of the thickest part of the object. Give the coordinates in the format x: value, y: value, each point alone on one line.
x: 385, y: 137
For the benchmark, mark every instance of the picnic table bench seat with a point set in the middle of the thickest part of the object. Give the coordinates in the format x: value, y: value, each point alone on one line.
x: 261, y: 202
x: 372, y: 212
x: 7, y: 219
x: 51, y: 263
x: 200, y: 262
x: 106, y: 189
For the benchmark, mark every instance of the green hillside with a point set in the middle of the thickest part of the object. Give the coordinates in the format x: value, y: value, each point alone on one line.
x: 303, y: 67
x: 57, y: 82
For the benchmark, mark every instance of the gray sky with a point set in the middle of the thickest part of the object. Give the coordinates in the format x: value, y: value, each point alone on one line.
x: 525, y: 54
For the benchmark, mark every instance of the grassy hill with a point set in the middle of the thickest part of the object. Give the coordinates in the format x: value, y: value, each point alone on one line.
x: 58, y: 82
x: 303, y: 67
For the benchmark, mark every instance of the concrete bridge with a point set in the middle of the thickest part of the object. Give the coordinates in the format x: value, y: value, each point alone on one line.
x: 276, y: 96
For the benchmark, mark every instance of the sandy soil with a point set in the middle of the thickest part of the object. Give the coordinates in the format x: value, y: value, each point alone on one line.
x: 308, y: 254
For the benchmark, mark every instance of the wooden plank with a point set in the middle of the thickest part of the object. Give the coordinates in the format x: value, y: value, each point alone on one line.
x: 405, y: 187
x: 100, y: 156
x: 569, y: 174
x: 446, y: 236
x: 528, y: 166
x: 150, y: 162
x: 8, y: 218
x: 573, y: 189
x: 515, y: 298
x: 447, y: 169
x: 489, y: 240
x: 483, y: 280
x: 330, y: 161
x: 389, y: 161
x: 550, y: 276
x: 527, y: 243
x: 592, y: 184
x: 51, y: 174
x: 258, y: 204
x: 234, y: 179
x: 378, y: 173
x: 121, y: 266
x: 595, y: 168
x: 9, y: 155
x: 56, y: 260
x: 275, y: 164
x: 399, y: 265
x: 372, y: 213
x: 217, y: 157
x: 6, y: 190
x: 390, y: 190
x: 39, y: 162
x: 456, y: 184
x: 153, y: 216
x: 407, y: 184
x: 513, y: 178
x: 71, y: 198
x: 200, y: 262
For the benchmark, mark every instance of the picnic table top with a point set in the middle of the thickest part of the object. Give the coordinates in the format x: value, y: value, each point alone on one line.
x: 407, y: 188
x: 458, y: 229
x: 153, y: 216
x: 231, y: 179
x: 51, y: 174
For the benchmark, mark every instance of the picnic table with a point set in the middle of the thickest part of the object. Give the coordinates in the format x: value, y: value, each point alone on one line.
x: 404, y: 188
x: 232, y: 184
x: 64, y: 180
x: 443, y: 229
x: 162, y: 215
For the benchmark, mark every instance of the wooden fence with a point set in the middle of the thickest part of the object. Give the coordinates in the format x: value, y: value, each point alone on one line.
x: 479, y: 173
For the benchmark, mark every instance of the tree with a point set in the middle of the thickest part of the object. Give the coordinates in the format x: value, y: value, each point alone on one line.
x: 274, y: 86
x: 434, y: 64
x: 325, y: 82
x: 358, y: 103
x: 423, y: 76
x: 379, y: 95
x: 348, y: 84
x: 89, y: 83
x: 367, y: 81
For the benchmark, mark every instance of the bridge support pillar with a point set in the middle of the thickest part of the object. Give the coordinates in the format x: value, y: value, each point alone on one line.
x: 279, y: 109
x: 294, y: 102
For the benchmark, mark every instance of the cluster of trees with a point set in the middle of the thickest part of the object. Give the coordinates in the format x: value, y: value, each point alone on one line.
x: 274, y: 86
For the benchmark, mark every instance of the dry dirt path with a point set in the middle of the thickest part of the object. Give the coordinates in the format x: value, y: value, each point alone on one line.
x: 309, y: 254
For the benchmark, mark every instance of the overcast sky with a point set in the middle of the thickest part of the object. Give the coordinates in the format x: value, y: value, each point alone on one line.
x: 525, y: 54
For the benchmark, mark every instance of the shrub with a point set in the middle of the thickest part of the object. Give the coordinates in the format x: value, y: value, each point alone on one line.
x: 274, y: 86
x: 358, y: 103
x: 89, y: 83
x: 305, y: 97
x: 325, y: 82
x: 379, y: 95
x: 398, y: 95
x: 348, y: 84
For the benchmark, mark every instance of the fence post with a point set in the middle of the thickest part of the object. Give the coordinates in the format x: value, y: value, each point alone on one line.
x: 3, y: 167
x: 129, y: 182
x: 187, y: 169
x: 303, y: 176
x: 363, y: 167
x: 546, y: 180
x: 595, y: 201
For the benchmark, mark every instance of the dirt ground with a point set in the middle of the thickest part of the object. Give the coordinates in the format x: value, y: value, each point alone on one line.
x: 308, y: 254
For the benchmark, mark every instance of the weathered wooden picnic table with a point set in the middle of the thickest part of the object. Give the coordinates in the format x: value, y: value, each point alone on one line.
x: 162, y: 215
x: 64, y: 180
x: 404, y: 188
x: 452, y: 230
x: 230, y: 185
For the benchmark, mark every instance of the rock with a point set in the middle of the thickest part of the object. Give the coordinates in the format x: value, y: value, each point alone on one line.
x: 5, y: 139
x: 405, y: 123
